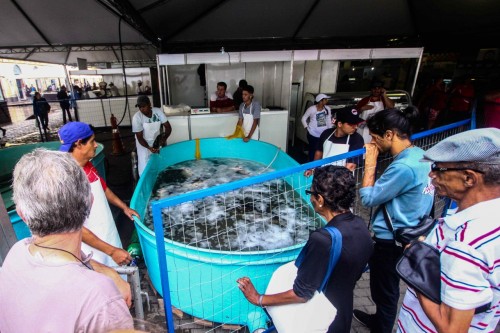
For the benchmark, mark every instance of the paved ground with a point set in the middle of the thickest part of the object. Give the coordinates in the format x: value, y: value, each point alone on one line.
x: 119, y: 178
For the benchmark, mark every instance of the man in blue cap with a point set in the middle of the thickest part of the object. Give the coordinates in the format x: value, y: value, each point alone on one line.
x: 465, y: 168
x: 99, y: 233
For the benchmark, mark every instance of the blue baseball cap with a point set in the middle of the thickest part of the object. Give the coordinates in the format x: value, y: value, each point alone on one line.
x: 72, y: 132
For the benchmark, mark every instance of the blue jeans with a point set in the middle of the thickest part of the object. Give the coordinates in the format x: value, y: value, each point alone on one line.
x: 313, y: 144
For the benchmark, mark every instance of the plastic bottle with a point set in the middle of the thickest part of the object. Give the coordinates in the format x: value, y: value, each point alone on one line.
x: 135, y: 247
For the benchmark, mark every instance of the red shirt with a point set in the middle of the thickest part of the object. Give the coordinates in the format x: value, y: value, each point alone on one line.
x: 222, y: 103
x: 93, y: 175
x: 461, y: 98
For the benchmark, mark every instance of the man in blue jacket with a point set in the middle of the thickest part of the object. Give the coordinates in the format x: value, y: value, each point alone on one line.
x: 405, y: 190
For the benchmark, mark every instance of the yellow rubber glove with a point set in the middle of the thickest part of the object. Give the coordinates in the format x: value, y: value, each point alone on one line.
x: 238, y: 133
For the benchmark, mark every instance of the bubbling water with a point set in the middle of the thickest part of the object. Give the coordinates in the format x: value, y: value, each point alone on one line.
x: 264, y: 216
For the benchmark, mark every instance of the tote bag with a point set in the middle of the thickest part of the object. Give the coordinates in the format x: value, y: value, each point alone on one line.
x: 317, y: 314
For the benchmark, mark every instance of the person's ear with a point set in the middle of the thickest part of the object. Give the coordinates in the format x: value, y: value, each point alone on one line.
x: 78, y: 143
x: 470, y: 178
x: 20, y: 213
x: 321, y: 200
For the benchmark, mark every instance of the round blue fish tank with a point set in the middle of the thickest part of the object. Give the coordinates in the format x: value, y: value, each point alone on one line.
x: 202, y: 282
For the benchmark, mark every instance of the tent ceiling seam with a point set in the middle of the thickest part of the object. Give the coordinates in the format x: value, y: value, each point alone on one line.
x: 305, y: 18
x: 197, y: 18
x: 30, y: 21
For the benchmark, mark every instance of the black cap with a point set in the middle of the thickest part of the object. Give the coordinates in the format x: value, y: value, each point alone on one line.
x: 377, y: 84
x: 348, y: 115
x: 142, y: 100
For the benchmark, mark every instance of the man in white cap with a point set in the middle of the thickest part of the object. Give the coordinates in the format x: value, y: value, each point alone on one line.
x: 315, y: 120
x: 146, y: 124
x: 465, y: 168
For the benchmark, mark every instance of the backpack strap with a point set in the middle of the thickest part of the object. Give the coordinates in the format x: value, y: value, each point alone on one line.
x: 335, y: 251
x: 334, y: 254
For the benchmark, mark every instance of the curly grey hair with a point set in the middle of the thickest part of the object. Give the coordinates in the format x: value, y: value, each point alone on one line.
x: 51, y: 192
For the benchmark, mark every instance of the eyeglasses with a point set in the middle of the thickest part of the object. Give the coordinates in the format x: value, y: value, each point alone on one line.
x: 312, y: 193
x: 435, y: 168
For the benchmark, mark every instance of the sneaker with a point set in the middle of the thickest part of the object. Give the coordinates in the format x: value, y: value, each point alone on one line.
x: 363, y: 318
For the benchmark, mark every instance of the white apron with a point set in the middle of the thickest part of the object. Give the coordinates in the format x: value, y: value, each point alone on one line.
x: 362, y: 128
x: 247, y: 124
x: 333, y: 149
x: 102, y: 224
x: 149, y: 132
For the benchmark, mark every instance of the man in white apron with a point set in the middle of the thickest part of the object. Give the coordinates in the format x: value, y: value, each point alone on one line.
x: 100, y: 235
x: 340, y: 139
x: 249, y: 115
x: 368, y: 106
x: 146, y: 124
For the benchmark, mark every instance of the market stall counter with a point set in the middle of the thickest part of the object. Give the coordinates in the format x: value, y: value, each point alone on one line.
x: 187, y: 126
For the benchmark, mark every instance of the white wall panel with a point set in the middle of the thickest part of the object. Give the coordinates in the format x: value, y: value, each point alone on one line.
x: 329, y: 73
x: 301, y: 55
x: 345, y: 54
x: 265, y: 56
x: 231, y: 74
x: 184, y: 85
x: 171, y: 59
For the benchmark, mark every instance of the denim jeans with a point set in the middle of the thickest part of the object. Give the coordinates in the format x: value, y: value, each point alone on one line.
x: 384, y: 284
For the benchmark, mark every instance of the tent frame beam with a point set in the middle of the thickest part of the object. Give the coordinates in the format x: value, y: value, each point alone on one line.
x: 123, y: 9
x: 70, y: 48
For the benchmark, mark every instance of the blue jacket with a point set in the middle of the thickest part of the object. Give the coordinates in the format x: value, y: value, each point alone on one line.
x: 405, y: 189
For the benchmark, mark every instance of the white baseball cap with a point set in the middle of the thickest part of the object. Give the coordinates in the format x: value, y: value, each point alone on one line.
x: 321, y: 96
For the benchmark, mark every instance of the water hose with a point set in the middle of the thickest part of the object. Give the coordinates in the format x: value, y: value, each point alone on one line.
x: 272, y: 161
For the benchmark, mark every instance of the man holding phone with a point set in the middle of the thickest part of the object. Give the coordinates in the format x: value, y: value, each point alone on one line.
x: 377, y: 101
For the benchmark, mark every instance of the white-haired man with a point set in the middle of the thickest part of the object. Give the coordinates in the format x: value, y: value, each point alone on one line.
x: 46, y: 283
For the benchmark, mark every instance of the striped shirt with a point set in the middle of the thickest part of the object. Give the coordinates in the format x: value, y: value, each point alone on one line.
x: 469, y: 242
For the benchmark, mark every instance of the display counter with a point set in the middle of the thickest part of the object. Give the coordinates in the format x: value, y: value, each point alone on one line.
x: 273, y: 126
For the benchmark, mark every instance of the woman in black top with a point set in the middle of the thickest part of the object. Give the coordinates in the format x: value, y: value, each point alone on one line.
x: 333, y: 191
